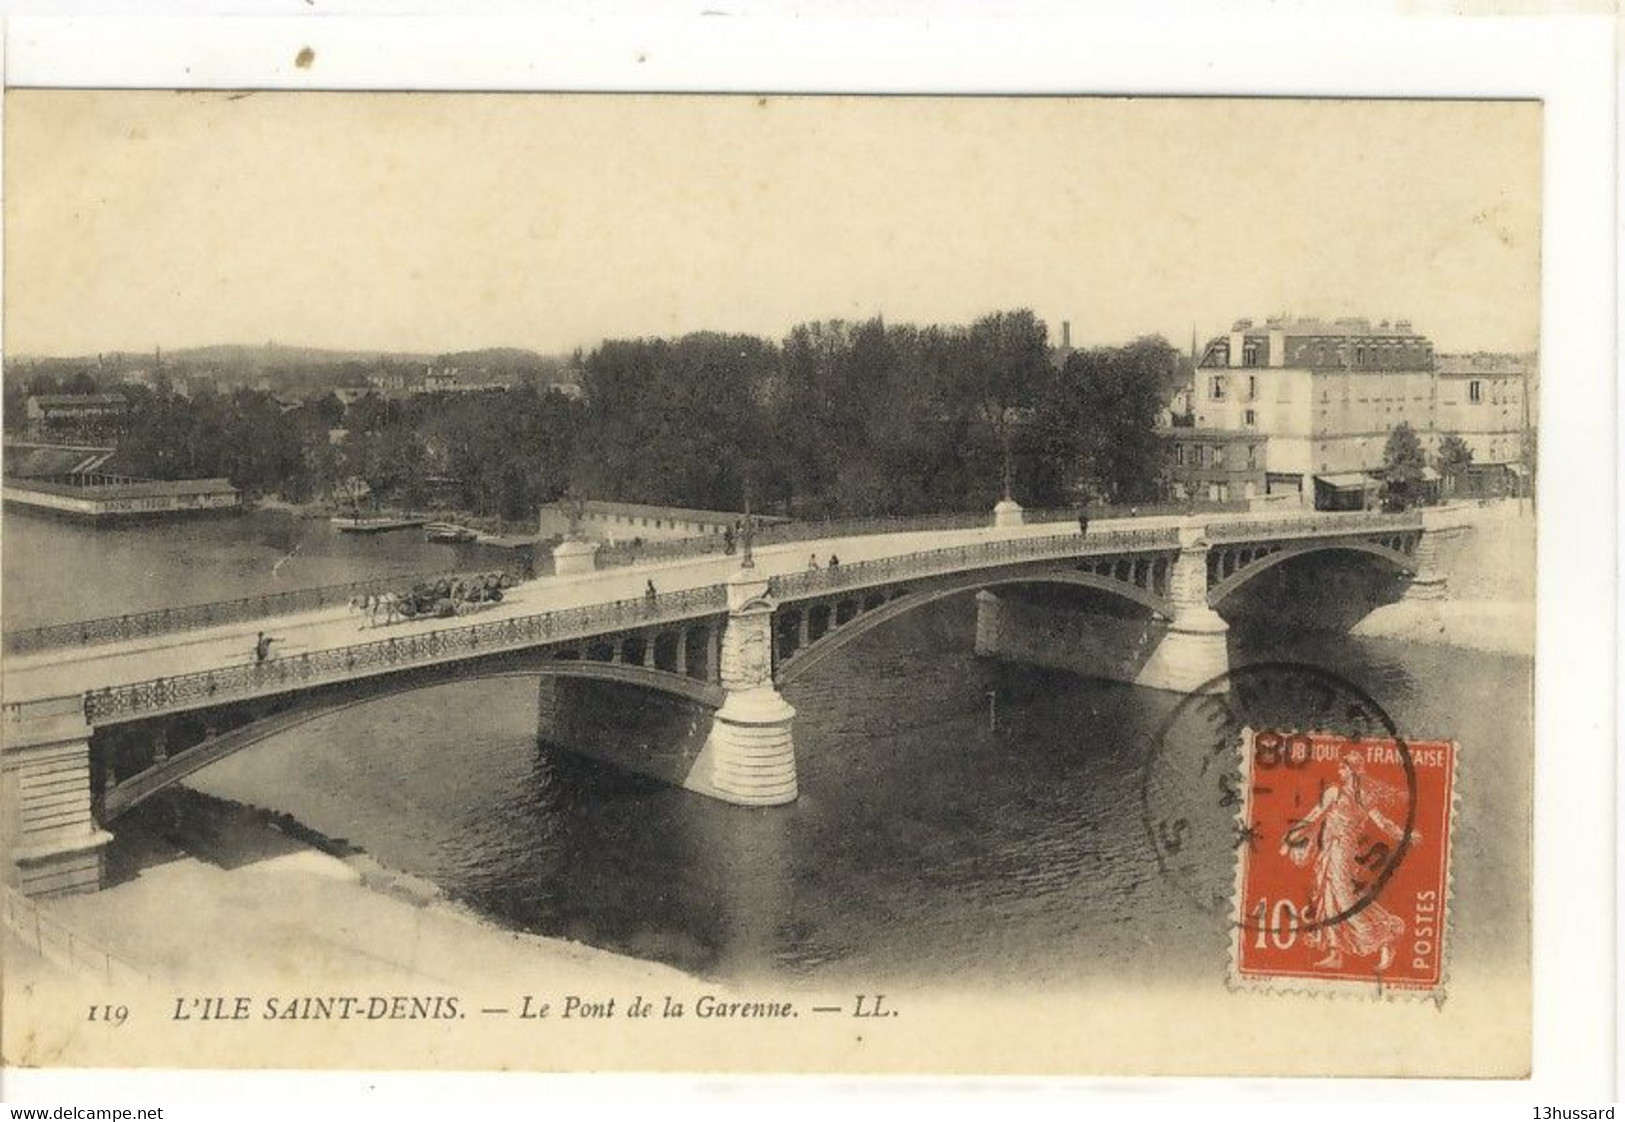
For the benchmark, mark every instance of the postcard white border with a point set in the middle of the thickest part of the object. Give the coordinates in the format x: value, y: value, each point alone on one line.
x: 1567, y: 63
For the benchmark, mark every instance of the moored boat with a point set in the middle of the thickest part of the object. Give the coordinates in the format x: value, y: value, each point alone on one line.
x: 449, y: 532
x: 356, y: 525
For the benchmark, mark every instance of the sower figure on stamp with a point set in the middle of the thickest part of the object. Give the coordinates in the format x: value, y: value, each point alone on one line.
x: 1345, y: 863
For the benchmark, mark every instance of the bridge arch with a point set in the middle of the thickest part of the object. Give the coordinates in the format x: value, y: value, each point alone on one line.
x: 1265, y: 561
x: 841, y: 634
x: 139, y: 788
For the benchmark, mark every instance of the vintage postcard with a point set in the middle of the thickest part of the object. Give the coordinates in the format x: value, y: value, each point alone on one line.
x: 767, y: 583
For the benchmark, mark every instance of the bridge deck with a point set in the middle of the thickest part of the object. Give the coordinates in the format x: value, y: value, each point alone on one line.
x: 70, y: 671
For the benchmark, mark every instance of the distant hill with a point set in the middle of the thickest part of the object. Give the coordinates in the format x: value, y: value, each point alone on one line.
x: 276, y: 354
x: 281, y: 363
x: 265, y: 356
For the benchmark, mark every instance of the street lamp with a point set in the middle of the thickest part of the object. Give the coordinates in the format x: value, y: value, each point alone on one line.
x: 747, y: 533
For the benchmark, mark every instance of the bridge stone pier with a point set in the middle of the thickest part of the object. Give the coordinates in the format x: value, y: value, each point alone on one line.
x: 750, y: 757
x: 1181, y: 646
x: 1429, y: 582
x: 1193, y: 650
x: 47, y: 821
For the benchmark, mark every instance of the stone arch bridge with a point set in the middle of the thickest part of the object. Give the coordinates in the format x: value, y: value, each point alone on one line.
x: 91, y: 732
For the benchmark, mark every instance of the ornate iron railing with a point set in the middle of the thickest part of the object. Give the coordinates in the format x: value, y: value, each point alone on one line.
x: 816, y: 529
x: 977, y: 555
x: 1099, y: 512
x: 781, y: 533
x: 629, y: 553
x: 191, y: 617
x: 204, y: 687
x: 1328, y: 522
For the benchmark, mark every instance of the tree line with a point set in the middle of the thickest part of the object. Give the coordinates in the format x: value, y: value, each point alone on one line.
x: 836, y: 419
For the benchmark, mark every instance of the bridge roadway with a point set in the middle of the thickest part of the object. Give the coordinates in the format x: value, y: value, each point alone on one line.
x: 75, y: 670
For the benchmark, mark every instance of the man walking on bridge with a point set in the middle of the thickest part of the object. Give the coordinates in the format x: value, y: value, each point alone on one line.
x: 262, y: 647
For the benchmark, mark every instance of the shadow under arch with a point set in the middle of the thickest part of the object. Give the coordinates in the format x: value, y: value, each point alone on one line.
x: 139, y: 788
x: 1221, y: 591
x: 839, y: 636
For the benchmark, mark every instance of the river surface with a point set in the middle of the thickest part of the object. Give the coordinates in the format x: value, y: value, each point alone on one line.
x: 929, y: 843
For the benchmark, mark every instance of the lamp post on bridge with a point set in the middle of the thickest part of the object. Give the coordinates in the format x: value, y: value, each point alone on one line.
x: 747, y: 532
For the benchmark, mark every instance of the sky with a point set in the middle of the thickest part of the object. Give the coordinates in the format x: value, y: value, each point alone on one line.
x: 444, y: 222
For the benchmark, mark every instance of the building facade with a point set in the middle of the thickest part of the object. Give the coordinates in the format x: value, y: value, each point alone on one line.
x: 1482, y: 398
x: 58, y: 412
x: 1326, y: 397
x: 1216, y: 465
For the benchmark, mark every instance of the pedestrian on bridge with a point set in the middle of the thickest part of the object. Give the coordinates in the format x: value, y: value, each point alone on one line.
x: 649, y: 592
x: 834, y: 561
x: 812, y: 563
x: 1083, y: 520
x: 262, y: 647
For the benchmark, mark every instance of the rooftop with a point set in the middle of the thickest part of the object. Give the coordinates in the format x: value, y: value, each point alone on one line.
x: 91, y: 488
x: 1483, y: 362
x: 1311, y: 325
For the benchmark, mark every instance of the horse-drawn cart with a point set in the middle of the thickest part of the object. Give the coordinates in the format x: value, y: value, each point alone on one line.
x: 442, y: 598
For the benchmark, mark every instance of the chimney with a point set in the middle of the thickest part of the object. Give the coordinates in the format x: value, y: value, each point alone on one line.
x: 1066, y: 334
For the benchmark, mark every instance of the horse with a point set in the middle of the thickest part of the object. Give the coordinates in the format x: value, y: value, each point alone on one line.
x: 375, y: 605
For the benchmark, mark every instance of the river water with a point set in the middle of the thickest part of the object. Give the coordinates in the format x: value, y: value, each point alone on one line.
x: 928, y: 844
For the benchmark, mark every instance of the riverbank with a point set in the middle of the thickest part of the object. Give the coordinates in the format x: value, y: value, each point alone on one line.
x: 204, y: 891
x: 1491, y: 626
x: 1489, y: 604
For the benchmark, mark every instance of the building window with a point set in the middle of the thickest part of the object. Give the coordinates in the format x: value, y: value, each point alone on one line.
x: 1475, y: 391
x: 1218, y: 456
x: 1252, y: 456
x: 1249, y: 354
x: 1206, y: 455
x: 1251, y: 417
x: 1179, y: 454
x: 1216, y: 388
x: 1252, y: 386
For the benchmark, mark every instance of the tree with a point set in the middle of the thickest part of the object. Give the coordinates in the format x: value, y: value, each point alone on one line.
x: 674, y: 422
x: 1454, y: 458
x: 1402, y: 463
x: 1005, y: 368
x: 1097, y: 428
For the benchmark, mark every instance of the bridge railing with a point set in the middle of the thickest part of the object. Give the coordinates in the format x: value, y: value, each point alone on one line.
x: 191, y: 617
x: 817, y: 529
x: 1100, y: 512
x: 639, y: 553
x: 781, y: 533
x: 977, y: 555
x: 1328, y: 522
x: 184, y: 691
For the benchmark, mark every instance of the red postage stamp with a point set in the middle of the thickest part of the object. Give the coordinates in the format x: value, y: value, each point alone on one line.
x: 1344, y: 863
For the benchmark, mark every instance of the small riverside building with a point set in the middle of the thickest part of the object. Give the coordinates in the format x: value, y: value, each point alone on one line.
x: 622, y: 522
